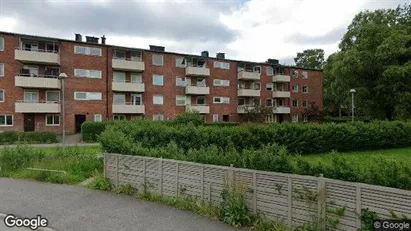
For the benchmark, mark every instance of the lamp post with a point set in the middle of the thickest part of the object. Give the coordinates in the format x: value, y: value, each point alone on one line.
x: 62, y: 77
x: 352, y: 103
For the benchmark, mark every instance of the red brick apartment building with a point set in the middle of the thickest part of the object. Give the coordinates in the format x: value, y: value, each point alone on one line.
x: 107, y: 82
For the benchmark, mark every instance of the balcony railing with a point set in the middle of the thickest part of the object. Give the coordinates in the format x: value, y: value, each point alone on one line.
x: 197, y: 71
x: 282, y: 110
x: 128, y: 86
x: 247, y: 92
x: 128, y: 64
x: 37, y: 81
x: 197, y: 90
x: 281, y: 78
x: 36, y: 106
x: 128, y: 108
x: 242, y: 109
x: 249, y: 75
x: 37, y: 56
x: 201, y: 108
x: 281, y: 94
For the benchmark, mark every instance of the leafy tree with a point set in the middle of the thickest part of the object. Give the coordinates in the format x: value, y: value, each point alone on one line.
x: 313, y: 112
x: 191, y: 116
x: 311, y: 58
x: 375, y: 59
x: 257, y: 114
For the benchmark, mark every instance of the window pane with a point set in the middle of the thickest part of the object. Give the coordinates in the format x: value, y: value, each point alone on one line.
x: 119, y: 99
x: 136, y: 78
x: 1, y: 44
x: 79, y: 50
x: 217, y: 82
x: 201, y: 82
x: 1, y: 95
x: 158, y: 99
x: 180, y: 82
x: 158, y: 60
x: 95, y: 74
x: 241, y: 101
x: 201, y: 100
x: 2, y: 120
x: 119, y: 54
x: 269, y: 86
x: 136, y: 99
x: 97, y: 117
x: 158, y: 80
x: 9, y: 120
x: 53, y: 96
x: 217, y: 99
x: 80, y: 72
x: 180, y: 62
x: 80, y: 95
x: 93, y: 96
x: 1, y: 69
x: 215, y: 118
x: 119, y: 77
x: 95, y: 51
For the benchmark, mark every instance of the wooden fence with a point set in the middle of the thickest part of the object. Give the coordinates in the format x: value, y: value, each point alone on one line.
x: 276, y: 196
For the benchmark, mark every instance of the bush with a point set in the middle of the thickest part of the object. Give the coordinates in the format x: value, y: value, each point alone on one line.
x: 90, y: 131
x: 193, y: 117
x: 346, y: 119
x: 27, y: 137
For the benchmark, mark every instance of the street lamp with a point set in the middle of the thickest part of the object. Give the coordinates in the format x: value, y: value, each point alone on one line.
x: 62, y: 77
x: 352, y: 104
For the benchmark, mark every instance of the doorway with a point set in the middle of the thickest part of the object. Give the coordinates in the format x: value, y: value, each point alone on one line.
x: 79, y: 121
x: 280, y: 118
x: 29, y: 123
x: 226, y: 118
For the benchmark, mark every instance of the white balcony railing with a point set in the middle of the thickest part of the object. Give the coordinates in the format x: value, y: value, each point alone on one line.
x: 25, y: 106
x: 281, y: 94
x: 37, y: 56
x: 242, y: 109
x: 247, y: 75
x: 197, y: 71
x: 128, y: 108
x: 248, y: 93
x: 37, y: 81
x: 282, y: 110
x: 281, y: 78
x: 128, y: 64
x: 197, y: 90
x: 201, y: 108
x: 127, y: 86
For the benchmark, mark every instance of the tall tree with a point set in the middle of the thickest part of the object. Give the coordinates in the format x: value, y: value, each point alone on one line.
x: 311, y: 58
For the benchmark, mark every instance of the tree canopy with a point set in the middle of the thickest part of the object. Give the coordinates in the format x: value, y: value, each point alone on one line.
x: 311, y: 58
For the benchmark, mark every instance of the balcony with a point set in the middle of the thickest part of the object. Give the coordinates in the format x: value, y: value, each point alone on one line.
x: 242, y: 109
x: 37, y: 56
x: 281, y: 110
x: 202, y: 109
x: 197, y: 90
x: 246, y: 75
x: 37, y: 107
x: 128, y: 87
x: 248, y: 93
x: 197, y: 71
x: 281, y: 94
x: 281, y: 78
x: 38, y: 81
x: 128, y: 108
x: 128, y: 65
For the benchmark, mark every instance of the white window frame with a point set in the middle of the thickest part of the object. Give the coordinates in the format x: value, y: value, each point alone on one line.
x: 304, y: 74
x: 222, y: 65
x: 306, y: 89
x: 153, y: 60
x: 162, y: 99
x: 180, y: 98
x: 305, y: 118
x: 201, y: 96
x: 2, y: 69
x: 256, y: 86
x: 99, y: 116
x: 294, y: 74
x: 87, y: 73
x: 294, y: 118
x: 2, y: 92
x: 119, y: 117
x: 53, y: 120
x: 306, y: 103
x: 269, y: 85
x: 255, y: 68
x: 31, y: 91
x: 2, y: 45
x: 223, y: 100
x: 178, y: 64
x: 123, y: 99
x: 47, y: 92
x: 292, y: 103
x: 221, y: 83
x: 162, y: 80
x: 295, y: 90
x: 139, y: 77
x: 119, y: 51
x: 133, y: 99
x: 215, y: 118
x: 87, y: 50
x: 5, y: 121
x: 270, y: 100
x: 121, y: 74
x: 270, y: 71
x: 182, y: 84
x: 158, y: 117
x: 87, y: 96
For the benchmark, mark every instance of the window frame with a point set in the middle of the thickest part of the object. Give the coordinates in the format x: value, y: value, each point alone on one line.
x: 153, y: 60
x: 305, y: 118
x: 159, y: 116
x: 162, y: 80
x: 184, y: 83
x: 199, y: 97
x: 180, y: 98
x: 215, y: 118
x: 53, y: 120
x: 292, y: 103
x: 183, y: 63
x: 5, y: 121
x: 306, y: 89
x: 139, y: 78
x: 3, y: 93
x: 270, y: 71
x: 2, y: 43
x: 101, y: 117
x: 134, y: 96
x: 296, y: 88
x: 31, y: 91
x: 123, y: 96
x: 267, y: 86
x: 47, y: 93
x: 304, y: 75
x: 88, y: 50
x: 119, y: 117
x: 87, y: 94
x: 294, y: 118
x: 306, y: 104
x: 162, y: 99
x: 2, y: 69
x: 269, y: 100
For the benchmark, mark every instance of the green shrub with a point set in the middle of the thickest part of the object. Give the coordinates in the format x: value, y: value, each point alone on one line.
x: 234, y: 210
x: 100, y: 183
x: 27, y: 137
x: 90, y: 131
x: 193, y: 117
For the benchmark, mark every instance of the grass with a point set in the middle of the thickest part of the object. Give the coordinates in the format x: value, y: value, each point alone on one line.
x: 79, y: 163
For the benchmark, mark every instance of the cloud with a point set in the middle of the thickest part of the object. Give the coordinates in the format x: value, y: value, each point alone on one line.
x: 330, y: 37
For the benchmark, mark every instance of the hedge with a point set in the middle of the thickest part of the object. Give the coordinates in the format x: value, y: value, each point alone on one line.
x: 12, y: 137
x: 346, y: 119
x: 298, y: 138
x: 91, y: 130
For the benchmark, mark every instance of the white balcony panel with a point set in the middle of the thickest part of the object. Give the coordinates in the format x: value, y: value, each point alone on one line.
x: 128, y: 109
x: 37, y: 82
x: 128, y: 87
x: 281, y: 110
x: 248, y: 93
x: 21, y: 107
x: 202, y: 109
x: 245, y: 75
x: 281, y: 78
x: 281, y: 94
x: 127, y: 65
x: 194, y: 90
x: 37, y: 57
x: 197, y: 71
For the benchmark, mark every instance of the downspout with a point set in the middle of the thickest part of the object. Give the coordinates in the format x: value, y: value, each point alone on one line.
x: 107, y: 85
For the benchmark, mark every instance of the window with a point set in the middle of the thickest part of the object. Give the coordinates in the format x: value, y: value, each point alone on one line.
x: 305, y: 118
x: 221, y: 82
x: 180, y: 62
x: 280, y: 87
x: 137, y: 99
x: 31, y: 96
x: 226, y: 118
x: 241, y: 101
x: 30, y: 46
x: 305, y: 74
x: 53, y: 48
x: 295, y: 74
x: 270, y: 71
x: 136, y: 56
x: 180, y: 100
x: 257, y: 69
x: 87, y: 50
x: 269, y: 118
x: 94, y: 74
x: 1, y: 95
x: 215, y: 117
x: 136, y: 117
x: 6, y: 120
x: 52, y: 96
x: 221, y: 65
x: 119, y: 117
x: 1, y: 44
x: 256, y: 86
x: 295, y: 103
x: 295, y: 88
x: 158, y: 117
x: 294, y: 118
x: 255, y: 102
x: 269, y: 102
x: 119, y: 54
x: 136, y: 78
x: 181, y: 82
x: 157, y: 60
x: 119, y: 99
x: 269, y: 86
x: 1, y: 69
x: 305, y: 89
x: 98, y: 118
x: 87, y: 95
x: 305, y: 103
x: 119, y: 77
x: 52, y: 120
x: 158, y: 80
x: 201, y: 82
x: 201, y: 100
x: 158, y: 99
x: 224, y: 100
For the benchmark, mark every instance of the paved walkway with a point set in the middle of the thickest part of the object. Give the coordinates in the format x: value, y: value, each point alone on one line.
x: 76, y: 208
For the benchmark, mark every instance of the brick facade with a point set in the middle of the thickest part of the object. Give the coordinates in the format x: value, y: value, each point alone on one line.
x: 104, y: 107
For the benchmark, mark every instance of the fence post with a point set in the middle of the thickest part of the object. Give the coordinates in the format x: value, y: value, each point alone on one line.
x: 321, y: 202
x: 230, y: 176
x: 177, y: 173
x: 202, y: 182
x: 358, y: 205
x: 117, y: 177
x: 290, y: 203
x: 144, y: 172
x: 209, y: 192
x: 160, y: 175
x: 255, y: 192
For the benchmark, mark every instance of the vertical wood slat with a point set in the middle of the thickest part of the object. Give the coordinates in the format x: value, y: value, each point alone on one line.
x: 321, y: 200
x: 290, y: 203
x: 358, y: 205
x: 160, y: 177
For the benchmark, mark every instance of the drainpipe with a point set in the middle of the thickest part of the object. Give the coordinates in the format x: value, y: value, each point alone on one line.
x: 107, y: 84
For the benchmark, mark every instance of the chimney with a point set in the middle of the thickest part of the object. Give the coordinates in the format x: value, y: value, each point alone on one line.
x: 220, y: 55
x: 157, y: 48
x: 272, y: 61
x: 204, y: 54
x: 91, y: 39
x: 103, y: 40
x: 78, y: 38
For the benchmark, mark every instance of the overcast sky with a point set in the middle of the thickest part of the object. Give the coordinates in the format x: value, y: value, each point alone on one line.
x: 244, y: 29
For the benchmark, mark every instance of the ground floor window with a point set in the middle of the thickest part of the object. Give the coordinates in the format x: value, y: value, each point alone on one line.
x: 158, y: 117
x: 52, y: 120
x: 269, y: 118
x: 137, y: 117
x: 6, y: 120
x: 119, y: 117
x: 294, y: 118
x: 98, y: 118
x: 305, y: 118
x: 226, y: 118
